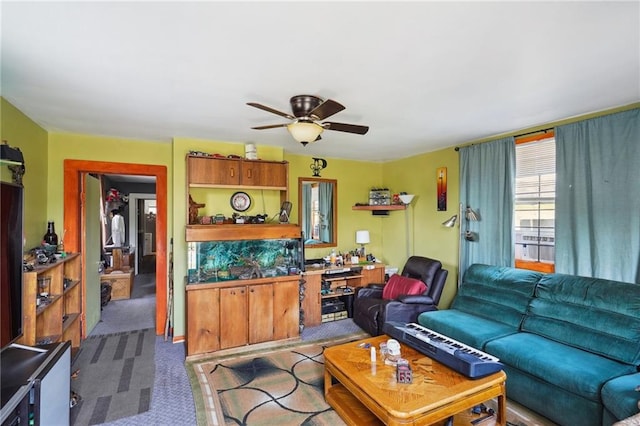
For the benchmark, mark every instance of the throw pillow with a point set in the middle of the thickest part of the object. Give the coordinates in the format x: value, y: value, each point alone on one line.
x: 399, y: 285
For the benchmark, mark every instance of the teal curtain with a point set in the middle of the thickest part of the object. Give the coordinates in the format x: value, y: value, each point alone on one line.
x: 325, y: 202
x: 487, y: 180
x: 598, y: 197
x: 305, y: 220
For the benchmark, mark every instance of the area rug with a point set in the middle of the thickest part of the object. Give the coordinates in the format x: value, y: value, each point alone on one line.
x: 113, y: 376
x: 283, y: 386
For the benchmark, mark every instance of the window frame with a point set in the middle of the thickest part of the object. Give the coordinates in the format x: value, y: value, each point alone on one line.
x: 530, y: 264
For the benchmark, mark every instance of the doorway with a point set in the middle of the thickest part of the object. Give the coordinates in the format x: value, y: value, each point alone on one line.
x: 74, y: 212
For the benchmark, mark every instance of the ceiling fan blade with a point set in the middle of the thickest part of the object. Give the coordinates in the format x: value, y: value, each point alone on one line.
x: 349, y: 128
x: 270, y: 126
x: 326, y: 109
x: 271, y: 110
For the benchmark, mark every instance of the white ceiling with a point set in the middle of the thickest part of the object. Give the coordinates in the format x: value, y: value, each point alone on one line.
x: 422, y: 75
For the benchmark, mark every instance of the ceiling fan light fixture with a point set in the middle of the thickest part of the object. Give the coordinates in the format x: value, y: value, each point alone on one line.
x: 304, y: 132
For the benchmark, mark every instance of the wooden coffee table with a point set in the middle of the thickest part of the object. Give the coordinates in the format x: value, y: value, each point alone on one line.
x: 368, y: 393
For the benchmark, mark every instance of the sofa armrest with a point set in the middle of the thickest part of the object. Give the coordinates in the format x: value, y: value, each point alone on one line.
x: 373, y: 292
x: 418, y: 298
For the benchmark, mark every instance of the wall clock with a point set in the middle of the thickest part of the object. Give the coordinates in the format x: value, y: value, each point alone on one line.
x: 240, y: 201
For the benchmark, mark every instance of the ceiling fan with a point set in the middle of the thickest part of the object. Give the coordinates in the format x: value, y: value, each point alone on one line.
x: 306, y: 122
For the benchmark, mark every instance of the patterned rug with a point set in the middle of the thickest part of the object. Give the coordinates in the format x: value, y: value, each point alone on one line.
x: 285, y: 387
x: 115, y: 376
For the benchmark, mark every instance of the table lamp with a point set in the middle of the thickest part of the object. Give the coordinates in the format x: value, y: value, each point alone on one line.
x: 362, y: 238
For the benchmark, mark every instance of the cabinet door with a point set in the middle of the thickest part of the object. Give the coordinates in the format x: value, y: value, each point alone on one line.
x: 203, y: 320
x: 286, y: 309
x: 213, y: 171
x: 260, y: 313
x: 264, y: 173
x: 311, y: 304
x: 233, y: 317
x: 373, y: 276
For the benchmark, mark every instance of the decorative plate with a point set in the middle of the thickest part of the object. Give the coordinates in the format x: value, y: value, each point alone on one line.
x: 240, y: 201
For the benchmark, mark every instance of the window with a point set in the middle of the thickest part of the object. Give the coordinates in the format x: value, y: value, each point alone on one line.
x: 534, y: 216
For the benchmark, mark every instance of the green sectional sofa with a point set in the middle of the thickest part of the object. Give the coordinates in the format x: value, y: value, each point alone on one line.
x: 570, y: 345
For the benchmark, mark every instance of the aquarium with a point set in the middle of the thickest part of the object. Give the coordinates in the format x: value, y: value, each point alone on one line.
x: 216, y: 261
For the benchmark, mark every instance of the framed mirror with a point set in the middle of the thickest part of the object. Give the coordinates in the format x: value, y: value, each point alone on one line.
x: 318, y: 211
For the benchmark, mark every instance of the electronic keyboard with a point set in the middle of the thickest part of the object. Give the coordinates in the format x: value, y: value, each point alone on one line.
x: 464, y: 359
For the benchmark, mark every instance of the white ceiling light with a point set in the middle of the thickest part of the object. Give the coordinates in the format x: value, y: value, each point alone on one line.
x: 304, y: 132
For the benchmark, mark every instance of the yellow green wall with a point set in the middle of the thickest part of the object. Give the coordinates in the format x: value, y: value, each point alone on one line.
x: 21, y: 132
x: 63, y: 146
x: 427, y: 237
x: 355, y: 179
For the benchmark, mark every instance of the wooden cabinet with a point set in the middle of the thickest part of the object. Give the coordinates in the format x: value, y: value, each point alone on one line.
x: 213, y: 171
x: 372, y: 274
x: 312, y: 302
x: 203, y: 320
x: 233, y: 317
x: 236, y: 313
x: 57, y: 318
x: 286, y: 310
x: 261, y: 315
x: 264, y: 173
x: 227, y: 172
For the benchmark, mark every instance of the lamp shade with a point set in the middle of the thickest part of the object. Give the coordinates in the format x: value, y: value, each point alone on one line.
x: 471, y: 214
x: 362, y: 237
x: 450, y: 223
x: 304, y: 132
x: 406, y: 198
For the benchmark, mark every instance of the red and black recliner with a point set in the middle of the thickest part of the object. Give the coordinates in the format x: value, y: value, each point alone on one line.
x: 417, y: 289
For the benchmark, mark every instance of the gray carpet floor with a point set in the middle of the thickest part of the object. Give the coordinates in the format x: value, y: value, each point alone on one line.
x: 172, y: 399
x: 116, y: 376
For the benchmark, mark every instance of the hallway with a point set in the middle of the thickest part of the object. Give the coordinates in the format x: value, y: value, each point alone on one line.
x: 136, y: 313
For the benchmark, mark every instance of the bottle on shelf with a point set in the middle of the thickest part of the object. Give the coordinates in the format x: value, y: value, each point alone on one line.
x: 51, y: 237
x: 332, y: 257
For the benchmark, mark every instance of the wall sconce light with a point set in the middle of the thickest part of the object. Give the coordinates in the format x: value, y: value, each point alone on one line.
x: 471, y: 216
x: 317, y: 165
x: 451, y: 222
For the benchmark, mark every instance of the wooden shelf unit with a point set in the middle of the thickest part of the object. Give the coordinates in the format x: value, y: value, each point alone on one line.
x: 312, y: 302
x: 230, y: 232
x: 233, y: 313
x: 60, y: 319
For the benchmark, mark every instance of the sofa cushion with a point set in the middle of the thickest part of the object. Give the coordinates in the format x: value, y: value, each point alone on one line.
x: 620, y: 397
x: 596, y: 315
x: 496, y: 293
x: 463, y: 327
x: 399, y: 285
x: 580, y: 372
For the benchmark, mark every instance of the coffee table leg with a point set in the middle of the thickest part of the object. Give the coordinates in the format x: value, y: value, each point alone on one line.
x: 327, y: 381
x: 502, y: 407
